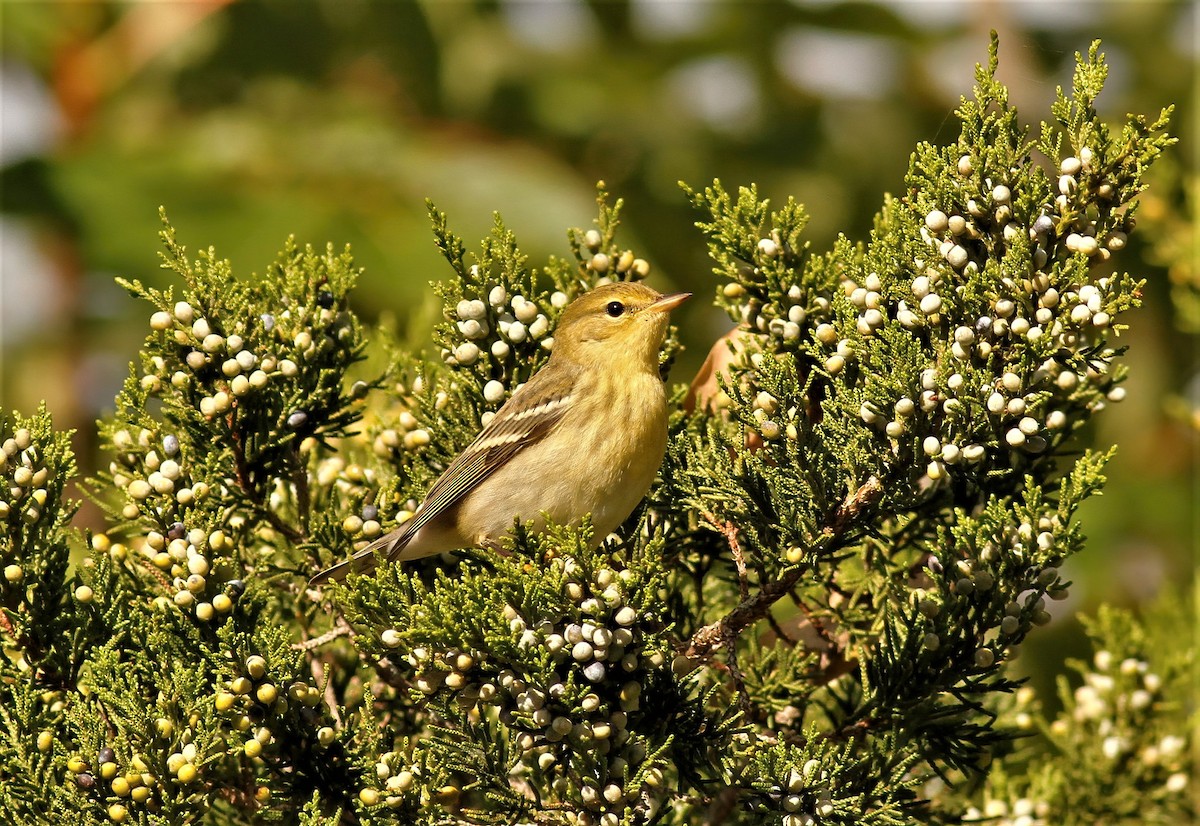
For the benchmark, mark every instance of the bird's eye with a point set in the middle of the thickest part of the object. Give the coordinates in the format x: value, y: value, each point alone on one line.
x: 615, y: 308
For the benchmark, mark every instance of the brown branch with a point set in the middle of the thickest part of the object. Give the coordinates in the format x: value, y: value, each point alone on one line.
x: 291, y: 534
x: 728, y: 530
x: 390, y: 675
x: 735, y: 671
x: 749, y: 611
x: 817, y: 625
x: 342, y: 630
x: 794, y: 595
x: 866, y: 495
x: 746, y: 613
x: 317, y: 666
x: 239, y: 457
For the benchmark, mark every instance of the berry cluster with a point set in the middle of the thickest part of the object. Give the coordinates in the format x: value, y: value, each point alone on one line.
x: 398, y: 777
x: 27, y: 478
x: 252, y: 700
x: 761, y: 300
x: 1114, y: 722
x: 137, y: 781
x: 36, y: 611
x: 1031, y: 350
x: 805, y: 795
x: 152, y: 472
x: 1115, y: 704
x: 569, y: 690
x: 608, y: 264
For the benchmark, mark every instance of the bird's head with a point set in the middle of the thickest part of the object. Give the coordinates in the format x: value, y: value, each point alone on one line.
x: 621, y: 321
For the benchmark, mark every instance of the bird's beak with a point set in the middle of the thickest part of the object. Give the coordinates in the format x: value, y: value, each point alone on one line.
x: 667, y: 303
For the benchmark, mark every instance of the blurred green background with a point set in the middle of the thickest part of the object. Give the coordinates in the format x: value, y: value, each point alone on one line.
x: 335, y: 119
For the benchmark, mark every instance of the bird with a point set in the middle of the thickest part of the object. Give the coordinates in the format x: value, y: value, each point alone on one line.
x: 584, y: 436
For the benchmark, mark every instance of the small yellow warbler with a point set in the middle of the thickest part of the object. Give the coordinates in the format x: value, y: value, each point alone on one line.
x: 585, y: 435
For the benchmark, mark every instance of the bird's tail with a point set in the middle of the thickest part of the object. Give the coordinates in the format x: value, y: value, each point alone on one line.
x: 365, y: 560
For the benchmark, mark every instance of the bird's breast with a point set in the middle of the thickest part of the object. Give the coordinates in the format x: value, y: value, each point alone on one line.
x: 600, y: 459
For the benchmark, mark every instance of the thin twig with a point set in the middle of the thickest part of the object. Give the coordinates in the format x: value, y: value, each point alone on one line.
x: 342, y: 630
x: 739, y: 679
x: 108, y: 724
x: 239, y: 457
x: 817, y: 625
x: 242, y: 469
x: 729, y: 531
x: 291, y: 534
x: 778, y: 629
x: 750, y: 610
x: 317, y: 666
x: 303, y: 496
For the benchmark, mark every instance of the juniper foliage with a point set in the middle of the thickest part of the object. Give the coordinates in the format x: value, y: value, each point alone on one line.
x: 859, y: 520
x: 1124, y: 727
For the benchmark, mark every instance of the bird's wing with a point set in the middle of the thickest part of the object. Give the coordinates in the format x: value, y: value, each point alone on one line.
x: 523, y: 420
